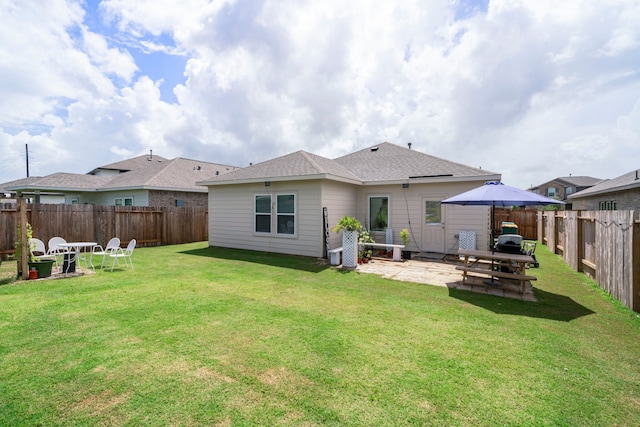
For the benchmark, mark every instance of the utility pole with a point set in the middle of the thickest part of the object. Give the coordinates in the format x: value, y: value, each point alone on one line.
x: 26, y: 149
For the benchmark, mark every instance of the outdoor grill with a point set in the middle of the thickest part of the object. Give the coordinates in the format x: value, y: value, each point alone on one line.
x: 509, y: 243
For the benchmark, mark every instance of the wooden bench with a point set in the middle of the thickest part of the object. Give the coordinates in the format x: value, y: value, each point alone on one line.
x: 493, y: 273
x: 334, y: 254
x: 396, y: 248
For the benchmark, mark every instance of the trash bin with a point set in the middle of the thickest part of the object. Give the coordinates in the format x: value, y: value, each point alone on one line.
x: 69, y: 263
x: 509, y: 228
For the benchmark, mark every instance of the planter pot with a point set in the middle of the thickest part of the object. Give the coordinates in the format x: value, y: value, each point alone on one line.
x: 406, y: 255
x: 365, y: 260
x: 43, y: 267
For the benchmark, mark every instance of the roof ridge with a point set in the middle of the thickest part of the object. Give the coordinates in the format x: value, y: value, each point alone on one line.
x: 311, y: 160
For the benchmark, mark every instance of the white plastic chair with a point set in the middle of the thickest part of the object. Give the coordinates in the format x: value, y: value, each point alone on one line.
x: 125, y: 254
x: 112, y: 247
x: 56, y: 250
x: 37, y: 247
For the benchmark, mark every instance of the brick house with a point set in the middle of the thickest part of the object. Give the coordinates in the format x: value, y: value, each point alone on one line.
x: 561, y: 188
x: 621, y: 193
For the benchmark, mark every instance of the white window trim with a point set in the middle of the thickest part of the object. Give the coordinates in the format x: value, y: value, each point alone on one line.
x: 124, y: 199
x: 255, y: 214
x: 369, y: 221
x: 295, y: 214
x: 274, y: 215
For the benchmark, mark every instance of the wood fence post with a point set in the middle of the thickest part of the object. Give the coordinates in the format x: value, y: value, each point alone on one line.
x: 635, y: 267
x: 579, y: 240
x: 23, y: 262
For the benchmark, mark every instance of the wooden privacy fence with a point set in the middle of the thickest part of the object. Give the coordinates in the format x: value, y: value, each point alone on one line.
x: 605, y: 245
x: 525, y: 219
x: 150, y: 226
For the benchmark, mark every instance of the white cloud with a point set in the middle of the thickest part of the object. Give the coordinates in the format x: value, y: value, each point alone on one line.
x: 525, y: 88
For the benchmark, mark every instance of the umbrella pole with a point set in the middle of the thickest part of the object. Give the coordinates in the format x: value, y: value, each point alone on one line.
x: 492, y: 243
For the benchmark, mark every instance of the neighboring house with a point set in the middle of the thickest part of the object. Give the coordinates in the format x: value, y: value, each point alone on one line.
x: 278, y: 205
x: 140, y: 181
x: 621, y: 193
x: 563, y: 187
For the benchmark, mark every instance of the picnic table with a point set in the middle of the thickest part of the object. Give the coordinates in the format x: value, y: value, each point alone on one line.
x: 516, y: 265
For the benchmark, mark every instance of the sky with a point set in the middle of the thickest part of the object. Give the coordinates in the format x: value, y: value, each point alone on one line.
x: 532, y: 90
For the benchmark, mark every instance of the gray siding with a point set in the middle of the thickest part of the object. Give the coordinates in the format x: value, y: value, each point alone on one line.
x: 406, y: 211
x: 231, y: 218
x: 340, y: 200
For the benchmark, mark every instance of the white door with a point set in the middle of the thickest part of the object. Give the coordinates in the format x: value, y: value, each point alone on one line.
x: 433, y: 225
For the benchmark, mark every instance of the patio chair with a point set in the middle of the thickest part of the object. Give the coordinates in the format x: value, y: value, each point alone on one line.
x: 124, y: 254
x: 56, y: 250
x: 39, y: 250
x: 112, y: 247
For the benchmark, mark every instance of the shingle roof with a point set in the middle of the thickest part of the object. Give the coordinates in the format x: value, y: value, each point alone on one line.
x: 624, y: 182
x: 385, y: 162
x: 4, y: 187
x: 131, y: 164
x: 298, y: 165
x: 579, y: 181
x: 62, y: 180
x: 390, y: 162
x: 160, y: 174
x: 571, y: 181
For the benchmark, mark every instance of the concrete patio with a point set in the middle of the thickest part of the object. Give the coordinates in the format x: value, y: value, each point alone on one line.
x: 443, y: 273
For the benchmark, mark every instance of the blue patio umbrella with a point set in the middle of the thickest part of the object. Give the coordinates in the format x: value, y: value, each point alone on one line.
x: 495, y: 193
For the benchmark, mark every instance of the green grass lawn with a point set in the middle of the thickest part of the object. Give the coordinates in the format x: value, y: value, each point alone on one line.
x: 202, y: 336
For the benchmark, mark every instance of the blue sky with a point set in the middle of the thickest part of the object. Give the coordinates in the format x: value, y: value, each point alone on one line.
x: 530, y: 89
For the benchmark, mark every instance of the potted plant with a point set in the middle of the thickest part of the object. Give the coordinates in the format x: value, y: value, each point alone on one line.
x: 42, y: 266
x: 404, y: 236
x: 350, y: 228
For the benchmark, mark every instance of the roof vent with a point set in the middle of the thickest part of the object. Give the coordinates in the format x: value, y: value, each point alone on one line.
x: 409, y: 144
x: 374, y: 149
x: 637, y: 177
x: 150, y: 155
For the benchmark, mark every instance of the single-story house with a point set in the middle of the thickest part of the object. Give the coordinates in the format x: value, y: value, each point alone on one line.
x: 147, y: 180
x: 279, y: 205
x: 621, y: 193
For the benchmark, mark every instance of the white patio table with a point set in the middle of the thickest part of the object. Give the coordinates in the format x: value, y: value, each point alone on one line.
x: 76, y: 249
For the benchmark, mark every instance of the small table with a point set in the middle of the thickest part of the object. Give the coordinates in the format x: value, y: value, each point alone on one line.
x: 517, y: 262
x: 75, y: 252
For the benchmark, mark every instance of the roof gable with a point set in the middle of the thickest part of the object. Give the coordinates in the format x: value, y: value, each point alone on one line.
x: 624, y: 182
x: 299, y: 164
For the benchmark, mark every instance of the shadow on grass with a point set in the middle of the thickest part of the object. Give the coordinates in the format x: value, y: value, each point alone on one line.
x: 296, y: 262
x: 549, y: 306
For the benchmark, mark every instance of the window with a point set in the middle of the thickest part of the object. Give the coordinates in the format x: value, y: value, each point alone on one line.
x: 124, y: 201
x: 379, y: 212
x: 263, y: 213
x: 568, y: 190
x: 551, y: 191
x: 286, y: 213
x: 432, y: 213
x: 179, y: 203
x: 609, y: 205
x: 74, y: 201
